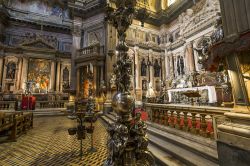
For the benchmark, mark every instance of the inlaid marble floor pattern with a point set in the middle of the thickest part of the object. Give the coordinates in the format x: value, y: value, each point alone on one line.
x: 49, y: 144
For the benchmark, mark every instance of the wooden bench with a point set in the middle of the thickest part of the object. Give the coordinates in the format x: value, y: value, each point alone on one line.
x: 15, y: 124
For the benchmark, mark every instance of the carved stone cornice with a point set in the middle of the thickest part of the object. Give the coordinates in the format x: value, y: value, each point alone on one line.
x: 176, y: 44
x: 195, y: 23
x: 28, y: 49
x: 144, y: 45
x: 86, y: 9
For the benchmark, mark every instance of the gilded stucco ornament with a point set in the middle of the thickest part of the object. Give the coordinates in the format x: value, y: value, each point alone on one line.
x: 128, y: 142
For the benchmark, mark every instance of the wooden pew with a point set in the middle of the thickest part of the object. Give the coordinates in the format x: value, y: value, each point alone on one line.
x: 16, y: 124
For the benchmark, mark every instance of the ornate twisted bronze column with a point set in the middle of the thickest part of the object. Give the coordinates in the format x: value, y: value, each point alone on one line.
x: 128, y: 142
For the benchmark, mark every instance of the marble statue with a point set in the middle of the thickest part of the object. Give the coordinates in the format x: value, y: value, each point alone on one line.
x: 66, y: 74
x: 143, y: 67
x: 157, y: 68
x: 150, y: 92
x: 144, y: 84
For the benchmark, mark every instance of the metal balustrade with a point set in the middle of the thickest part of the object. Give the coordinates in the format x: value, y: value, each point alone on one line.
x: 91, y: 51
x: 192, y: 119
x: 51, y: 104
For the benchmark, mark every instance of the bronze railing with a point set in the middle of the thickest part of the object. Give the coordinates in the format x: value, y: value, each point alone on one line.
x: 51, y: 104
x: 92, y: 50
x: 196, y: 120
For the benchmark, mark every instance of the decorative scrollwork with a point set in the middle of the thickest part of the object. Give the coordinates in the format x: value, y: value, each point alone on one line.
x: 128, y: 142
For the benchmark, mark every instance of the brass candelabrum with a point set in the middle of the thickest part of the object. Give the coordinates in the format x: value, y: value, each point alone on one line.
x: 128, y: 142
x: 84, y: 116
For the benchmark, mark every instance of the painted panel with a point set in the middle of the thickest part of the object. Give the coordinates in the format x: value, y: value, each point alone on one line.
x: 39, y: 73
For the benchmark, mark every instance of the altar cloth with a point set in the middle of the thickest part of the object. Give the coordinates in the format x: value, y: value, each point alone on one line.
x: 212, y: 97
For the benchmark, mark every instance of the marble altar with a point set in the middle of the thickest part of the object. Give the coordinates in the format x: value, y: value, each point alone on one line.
x: 211, y: 93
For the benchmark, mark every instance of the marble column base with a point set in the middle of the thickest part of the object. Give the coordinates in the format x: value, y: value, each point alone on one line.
x: 234, y: 140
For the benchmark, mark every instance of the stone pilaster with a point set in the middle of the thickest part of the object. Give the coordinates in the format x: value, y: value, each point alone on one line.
x: 1, y: 71
x: 168, y: 64
x: 58, y: 74
x: 24, y: 73
x: 77, y: 80
x: 52, y: 77
x: 19, y: 74
x: 137, y: 71
x: 163, y: 67
x: 96, y: 76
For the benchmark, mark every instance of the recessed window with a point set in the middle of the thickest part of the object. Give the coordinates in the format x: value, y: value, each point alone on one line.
x: 170, y: 2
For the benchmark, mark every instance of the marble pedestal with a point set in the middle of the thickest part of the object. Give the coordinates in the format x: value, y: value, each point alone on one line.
x: 234, y: 140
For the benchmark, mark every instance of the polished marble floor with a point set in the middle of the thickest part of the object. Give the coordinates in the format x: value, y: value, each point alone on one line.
x: 48, y: 144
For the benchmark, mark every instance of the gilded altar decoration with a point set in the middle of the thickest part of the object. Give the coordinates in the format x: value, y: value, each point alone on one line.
x: 39, y: 73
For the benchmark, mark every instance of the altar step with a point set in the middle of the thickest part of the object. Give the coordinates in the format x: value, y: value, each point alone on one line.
x: 172, y: 147
x: 162, y: 158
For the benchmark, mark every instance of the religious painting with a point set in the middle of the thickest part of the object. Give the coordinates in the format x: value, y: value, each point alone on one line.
x: 11, y: 70
x: 39, y: 74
